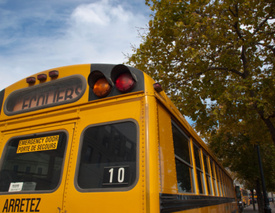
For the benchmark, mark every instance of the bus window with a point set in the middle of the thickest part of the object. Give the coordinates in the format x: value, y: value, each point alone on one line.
x: 213, y: 177
x: 183, y: 166
x: 108, y: 156
x: 33, y: 163
x: 208, y: 178
x: 199, y: 169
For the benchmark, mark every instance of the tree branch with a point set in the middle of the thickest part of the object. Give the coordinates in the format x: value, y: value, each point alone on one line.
x: 236, y: 23
x: 244, y: 60
x: 226, y: 69
x: 271, y: 47
x: 261, y: 24
x: 267, y: 121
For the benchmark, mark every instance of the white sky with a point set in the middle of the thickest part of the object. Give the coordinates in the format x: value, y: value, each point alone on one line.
x: 37, y: 35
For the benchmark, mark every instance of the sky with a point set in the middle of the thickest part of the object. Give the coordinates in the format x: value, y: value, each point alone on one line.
x: 37, y: 35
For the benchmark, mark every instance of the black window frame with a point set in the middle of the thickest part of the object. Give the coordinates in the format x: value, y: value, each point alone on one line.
x: 39, y: 169
x: 199, y: 170
x: 184, y: 162
x: 212, y: 165
x: 207, y: 173
x: 107, y: 189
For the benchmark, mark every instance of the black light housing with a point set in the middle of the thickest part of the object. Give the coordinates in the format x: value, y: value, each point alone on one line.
x: 108, y: 80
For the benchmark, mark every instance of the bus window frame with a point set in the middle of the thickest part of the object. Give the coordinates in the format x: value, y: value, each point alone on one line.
x: 46, y: 85
x: 190, y: 164
x: 213, y: 173
x: 109, y: 189
x: 199, y: 149
x: 37, y: 135
x: 207, y: 173
x: 2, y: 94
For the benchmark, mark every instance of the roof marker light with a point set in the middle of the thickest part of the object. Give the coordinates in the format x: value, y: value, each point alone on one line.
x: 53, y: 73
x: 157, y: 87
x: 125, y: 82
x: 30, y: 80
x: 42, y: 77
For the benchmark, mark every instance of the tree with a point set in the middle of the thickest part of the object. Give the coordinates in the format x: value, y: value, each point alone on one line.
x: 235, y: 150
x: 215, y: 59
x: 237, y: 153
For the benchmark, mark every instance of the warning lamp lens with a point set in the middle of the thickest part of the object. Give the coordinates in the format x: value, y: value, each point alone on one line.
x: 125, y: 82
x: 101, y: 88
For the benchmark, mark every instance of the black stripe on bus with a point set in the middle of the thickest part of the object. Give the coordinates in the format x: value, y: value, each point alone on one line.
x: 1, y: 98
x: 174, y: 202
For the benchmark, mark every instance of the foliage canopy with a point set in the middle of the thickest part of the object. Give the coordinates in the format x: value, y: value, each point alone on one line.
x: 215, y: 59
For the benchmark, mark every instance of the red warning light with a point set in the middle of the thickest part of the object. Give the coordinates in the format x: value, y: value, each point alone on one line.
x: 125, y: 82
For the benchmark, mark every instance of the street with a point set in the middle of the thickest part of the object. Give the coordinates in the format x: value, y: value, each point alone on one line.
x: 249, y: 209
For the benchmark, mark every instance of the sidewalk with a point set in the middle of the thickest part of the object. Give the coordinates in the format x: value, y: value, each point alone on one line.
x: 249, y: 209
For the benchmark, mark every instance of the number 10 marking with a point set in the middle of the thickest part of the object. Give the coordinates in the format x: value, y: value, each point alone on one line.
x: 120, y: 175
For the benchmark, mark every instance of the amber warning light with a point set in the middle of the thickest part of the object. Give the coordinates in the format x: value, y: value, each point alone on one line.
x: 101, y: 88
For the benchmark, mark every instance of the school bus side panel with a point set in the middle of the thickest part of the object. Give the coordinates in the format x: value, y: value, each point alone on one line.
x: 152, y: 155
x: 167, y: 156
x: 104, y: 198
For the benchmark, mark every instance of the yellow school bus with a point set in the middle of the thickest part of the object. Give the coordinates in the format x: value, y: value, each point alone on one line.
x: 103, y: 138
x: 245, y: 197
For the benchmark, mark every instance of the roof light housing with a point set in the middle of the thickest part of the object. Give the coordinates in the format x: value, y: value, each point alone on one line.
x: 42, y: 77
x: 157, y: 87
x: 54, y: 73
x: 30, y: 80
x: 113, y: 80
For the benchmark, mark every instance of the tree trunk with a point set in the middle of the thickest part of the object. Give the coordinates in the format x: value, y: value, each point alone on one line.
x: 271, y: 129
x: 260, y: 200
x: 268, y: 124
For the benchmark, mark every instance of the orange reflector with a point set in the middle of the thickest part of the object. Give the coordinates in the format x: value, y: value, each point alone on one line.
x: 101, y: 88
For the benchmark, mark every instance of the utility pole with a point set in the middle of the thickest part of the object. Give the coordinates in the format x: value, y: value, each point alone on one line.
x: 267, y: 208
